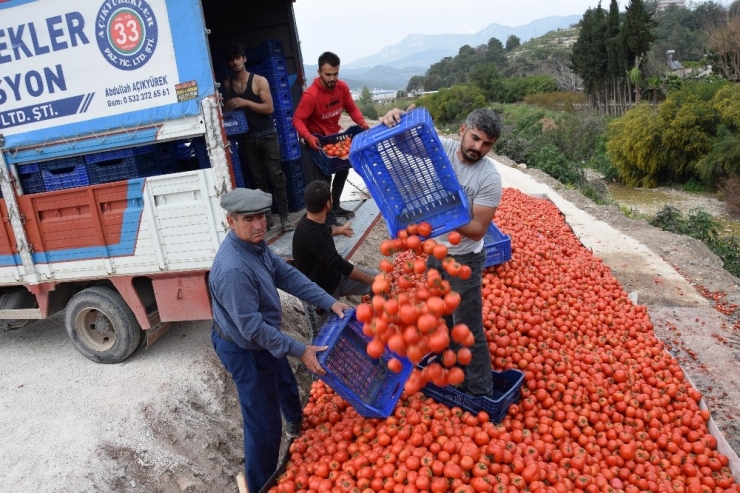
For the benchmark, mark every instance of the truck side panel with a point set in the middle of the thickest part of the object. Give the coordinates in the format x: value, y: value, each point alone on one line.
x: 150, y: 62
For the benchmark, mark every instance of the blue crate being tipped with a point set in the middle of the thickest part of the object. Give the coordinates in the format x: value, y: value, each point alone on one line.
x: 365, y: 383
x: 409, y: 175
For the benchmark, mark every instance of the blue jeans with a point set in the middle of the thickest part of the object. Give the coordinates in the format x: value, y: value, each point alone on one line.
x: 470, y: 312
x: 265, y: 386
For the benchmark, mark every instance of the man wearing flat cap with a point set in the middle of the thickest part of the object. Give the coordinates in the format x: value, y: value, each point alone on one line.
x: 247, y: 336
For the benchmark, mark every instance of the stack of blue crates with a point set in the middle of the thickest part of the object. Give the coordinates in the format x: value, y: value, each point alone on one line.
x: 269, y: 62
x: 97, y: 168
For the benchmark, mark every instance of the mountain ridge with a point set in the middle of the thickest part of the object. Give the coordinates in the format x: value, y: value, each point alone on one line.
x: 394, y: 65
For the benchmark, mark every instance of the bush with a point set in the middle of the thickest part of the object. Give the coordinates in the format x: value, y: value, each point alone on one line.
x: 693, y: 133
x: 549, y: 159
x: 701, y: 226
x: 730, y: 188
x: 453, y: 104
x: 557, y: 101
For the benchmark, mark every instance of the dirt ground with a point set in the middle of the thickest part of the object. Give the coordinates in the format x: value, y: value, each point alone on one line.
x: 167, y: 419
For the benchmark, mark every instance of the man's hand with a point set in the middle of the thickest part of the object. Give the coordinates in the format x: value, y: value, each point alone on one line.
x: 338, y: 307
x: 364, y: 126
x: 313, y: 142
x: 309, y: 359
x: 234, y: 103
x: 392, y: 118
x: 345, y: 229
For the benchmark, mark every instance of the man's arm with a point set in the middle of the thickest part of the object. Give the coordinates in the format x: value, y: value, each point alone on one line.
x: 302, y: 113
x: 476, y: 228
x: 345, y: 229
x: 361, y: 276
x: 263, y: 92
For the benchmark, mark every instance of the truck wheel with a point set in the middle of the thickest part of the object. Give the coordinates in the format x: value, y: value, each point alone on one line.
x: 101, y: 325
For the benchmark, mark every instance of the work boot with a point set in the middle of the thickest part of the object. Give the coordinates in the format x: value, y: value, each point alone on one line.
x: 331, y: 219
x: 293, y: 429
x: 286, y: 224
x: 339, y: 212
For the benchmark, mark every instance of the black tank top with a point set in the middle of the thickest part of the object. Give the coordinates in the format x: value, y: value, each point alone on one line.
x: 257, y: 122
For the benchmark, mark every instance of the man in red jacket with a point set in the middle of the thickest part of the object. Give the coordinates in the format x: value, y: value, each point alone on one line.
x: 318, y: 113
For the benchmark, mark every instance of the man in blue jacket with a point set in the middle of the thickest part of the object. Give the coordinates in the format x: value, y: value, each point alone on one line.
x: 246, y: 333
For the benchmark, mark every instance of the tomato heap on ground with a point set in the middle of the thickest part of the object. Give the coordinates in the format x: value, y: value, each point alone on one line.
x: 604, y: 407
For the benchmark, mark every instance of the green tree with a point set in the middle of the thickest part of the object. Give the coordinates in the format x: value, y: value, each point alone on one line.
x: 495, y: 54
x: 366, y: 105
x: 453, y: 105
x: 638, y: 34
x: 416, y: 83
x: 487, y: 78
x: 513, y: 42
x: 589, y: 55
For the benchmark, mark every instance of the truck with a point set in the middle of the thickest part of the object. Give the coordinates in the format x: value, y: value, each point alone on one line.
x: 91, y: 80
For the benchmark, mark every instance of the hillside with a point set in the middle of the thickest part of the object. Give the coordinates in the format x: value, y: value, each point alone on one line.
x: 394, y: 65
x: 538, y: 55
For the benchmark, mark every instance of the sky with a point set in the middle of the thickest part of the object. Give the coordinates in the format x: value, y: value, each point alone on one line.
x: 354, y: 29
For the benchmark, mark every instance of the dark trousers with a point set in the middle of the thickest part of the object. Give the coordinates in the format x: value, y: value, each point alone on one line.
x: 470, y: 312
x: 262, y: 157
x: 265, y: 386
x: 312, y: 171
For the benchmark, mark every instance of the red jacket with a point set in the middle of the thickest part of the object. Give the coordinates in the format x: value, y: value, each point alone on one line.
x: 320, y: 108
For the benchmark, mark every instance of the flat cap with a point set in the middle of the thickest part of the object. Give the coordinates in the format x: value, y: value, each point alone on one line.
x: 246, y: 201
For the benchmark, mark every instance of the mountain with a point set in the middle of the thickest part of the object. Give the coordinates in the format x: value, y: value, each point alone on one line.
x: 422, y: 50
x: 396, y: 64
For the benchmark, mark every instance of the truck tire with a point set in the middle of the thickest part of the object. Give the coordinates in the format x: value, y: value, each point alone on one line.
x: 101, y: 325
x: 16, y: 299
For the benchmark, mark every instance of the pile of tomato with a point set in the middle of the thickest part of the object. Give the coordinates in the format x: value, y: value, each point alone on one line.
x: 339, y: 149
x: 604, y: 408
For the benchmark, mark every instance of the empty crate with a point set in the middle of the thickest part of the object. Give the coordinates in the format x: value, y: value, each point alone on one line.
x: 409, y: 175
x: 366, y: 384
x: 506, y: 385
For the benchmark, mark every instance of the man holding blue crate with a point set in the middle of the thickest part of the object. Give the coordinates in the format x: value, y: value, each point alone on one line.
x: 480, y: 181
x: 318, y: 113
x: 259, y: 147
x: 246, y: 332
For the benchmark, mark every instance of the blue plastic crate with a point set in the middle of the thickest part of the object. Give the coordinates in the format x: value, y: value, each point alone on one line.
x: 276, y: 76
x: 201, y: 152
x: 295, y: 199
x: 157, y: 160
x: 242, y: 181
x: 166, y: 160
x: 32, y: 181
x: 497, y: 246
x: 117, y: 154
x: 282, y: 100
x: 331, y: 164
x: 409, y: 175
x: 64, y: 173
x: 290, y: 149
x: 184, y: 149
x: 235, y: 122
x: 294, y: 178
x: 506, y: 385
x: 266, y: 49
x: 365, y: 383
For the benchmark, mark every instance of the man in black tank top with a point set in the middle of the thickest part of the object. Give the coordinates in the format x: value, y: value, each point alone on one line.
x: 259, y: 147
